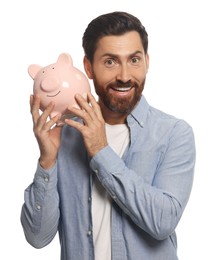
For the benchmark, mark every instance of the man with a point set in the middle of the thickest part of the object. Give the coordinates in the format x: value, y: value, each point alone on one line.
x: 115, y: 180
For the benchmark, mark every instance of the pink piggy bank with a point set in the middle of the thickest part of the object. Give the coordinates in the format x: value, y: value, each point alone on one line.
x: 59, y: 82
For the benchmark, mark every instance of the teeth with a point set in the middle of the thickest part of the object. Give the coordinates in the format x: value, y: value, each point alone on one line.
x: 122, y: 89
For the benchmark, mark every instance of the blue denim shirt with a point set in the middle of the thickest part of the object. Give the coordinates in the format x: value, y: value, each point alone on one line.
x: 150, y: 186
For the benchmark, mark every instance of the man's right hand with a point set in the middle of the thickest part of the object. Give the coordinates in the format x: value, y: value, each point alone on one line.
x: 46, y: 132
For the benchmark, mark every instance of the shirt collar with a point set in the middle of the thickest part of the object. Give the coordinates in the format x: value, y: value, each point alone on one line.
x: 140, y: 112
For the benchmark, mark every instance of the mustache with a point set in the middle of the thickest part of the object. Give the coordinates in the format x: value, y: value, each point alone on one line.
x: 120, y: 84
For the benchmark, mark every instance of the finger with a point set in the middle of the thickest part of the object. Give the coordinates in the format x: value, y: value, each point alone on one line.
x: 82, y: 102
x: 42, y: 120
x: 34, y: 106
x: 52, y: 122
x: 95, y: 105
x: 31, y: 100
x: 79, y: 126
x: 85, y: 112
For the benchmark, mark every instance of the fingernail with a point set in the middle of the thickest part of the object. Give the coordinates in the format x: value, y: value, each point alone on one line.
x: 73, y: 106
x: 84, y: 95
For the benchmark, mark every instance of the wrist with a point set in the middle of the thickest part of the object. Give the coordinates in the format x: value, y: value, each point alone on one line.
x: 46, y: 164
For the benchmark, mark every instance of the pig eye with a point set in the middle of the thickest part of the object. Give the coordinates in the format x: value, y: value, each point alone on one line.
x: 43, y: 71
x: 53, y: 68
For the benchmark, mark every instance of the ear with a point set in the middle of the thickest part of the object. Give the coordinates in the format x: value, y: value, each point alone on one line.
x: 33, y: 69
x: 65, y: 58
x: 147, y: 62
x: 88, y: 67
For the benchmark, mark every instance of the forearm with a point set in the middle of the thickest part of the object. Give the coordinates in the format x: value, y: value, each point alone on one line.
x: 146, y: 205
x: 155, y: 207
x: 40, y: 211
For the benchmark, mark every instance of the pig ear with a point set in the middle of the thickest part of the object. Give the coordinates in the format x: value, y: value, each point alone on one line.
x: 65, y: 58
x: 33, y: 69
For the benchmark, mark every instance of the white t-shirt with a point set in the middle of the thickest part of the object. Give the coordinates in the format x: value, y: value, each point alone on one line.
x: 118, y: 139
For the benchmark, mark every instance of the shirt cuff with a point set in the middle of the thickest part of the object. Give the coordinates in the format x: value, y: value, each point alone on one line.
x: 106, y: 163
x: 47, y: 178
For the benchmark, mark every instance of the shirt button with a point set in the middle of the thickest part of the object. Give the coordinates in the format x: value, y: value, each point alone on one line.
x: 46, y: 179
x: 96, y: 171
x: 38, y: 206
x: 89, y: 199
x: 89, y: 233
x: 114, y: 197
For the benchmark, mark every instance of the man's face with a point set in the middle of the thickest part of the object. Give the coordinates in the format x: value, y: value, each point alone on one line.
x: 119, y: 71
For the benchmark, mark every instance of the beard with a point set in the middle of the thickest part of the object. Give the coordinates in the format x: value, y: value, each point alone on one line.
x: 123, y: 105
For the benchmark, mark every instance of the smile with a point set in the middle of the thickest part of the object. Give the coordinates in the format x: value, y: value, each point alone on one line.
x: 122, y: 89
x: 53, y: 95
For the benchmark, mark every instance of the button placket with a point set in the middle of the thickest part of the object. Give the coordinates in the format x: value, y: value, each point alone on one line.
x: 89, y: 233
x: 38, y: 206
x: 46, y: 179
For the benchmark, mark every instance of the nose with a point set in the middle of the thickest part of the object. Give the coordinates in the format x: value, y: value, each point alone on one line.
x: 124, y: 73
x: 49, y: 84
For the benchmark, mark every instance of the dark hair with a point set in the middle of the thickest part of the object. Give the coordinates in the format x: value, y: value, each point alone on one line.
x: 115, y: 23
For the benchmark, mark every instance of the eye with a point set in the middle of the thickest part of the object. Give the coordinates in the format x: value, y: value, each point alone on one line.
x: 53, y: 68
x: 110, y: 62
x: 135, y: 60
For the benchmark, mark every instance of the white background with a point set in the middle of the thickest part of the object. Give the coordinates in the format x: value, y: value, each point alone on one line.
x: 179, y: 82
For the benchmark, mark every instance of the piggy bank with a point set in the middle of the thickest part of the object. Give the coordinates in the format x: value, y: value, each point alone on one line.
x: 59, y: 82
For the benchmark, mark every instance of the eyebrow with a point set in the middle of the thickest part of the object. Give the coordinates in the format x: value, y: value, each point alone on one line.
x: 116, y: 56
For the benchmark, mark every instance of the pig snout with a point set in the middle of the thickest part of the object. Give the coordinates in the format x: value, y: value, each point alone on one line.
x: 50, y: 84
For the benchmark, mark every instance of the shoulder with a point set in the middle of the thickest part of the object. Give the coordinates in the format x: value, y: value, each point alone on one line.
x: 159, y: 117
x: 164, y: 125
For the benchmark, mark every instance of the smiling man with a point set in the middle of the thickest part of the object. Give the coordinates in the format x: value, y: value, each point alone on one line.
x: 118, y: 70
x: 115, y: 180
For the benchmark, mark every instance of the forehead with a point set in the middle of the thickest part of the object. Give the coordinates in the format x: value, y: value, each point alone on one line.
x: 120, y: 44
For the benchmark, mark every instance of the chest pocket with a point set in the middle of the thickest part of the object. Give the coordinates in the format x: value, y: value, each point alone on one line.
x: 145, y: 164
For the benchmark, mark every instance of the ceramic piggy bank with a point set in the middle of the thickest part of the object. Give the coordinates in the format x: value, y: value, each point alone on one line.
x: 58, y: 82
